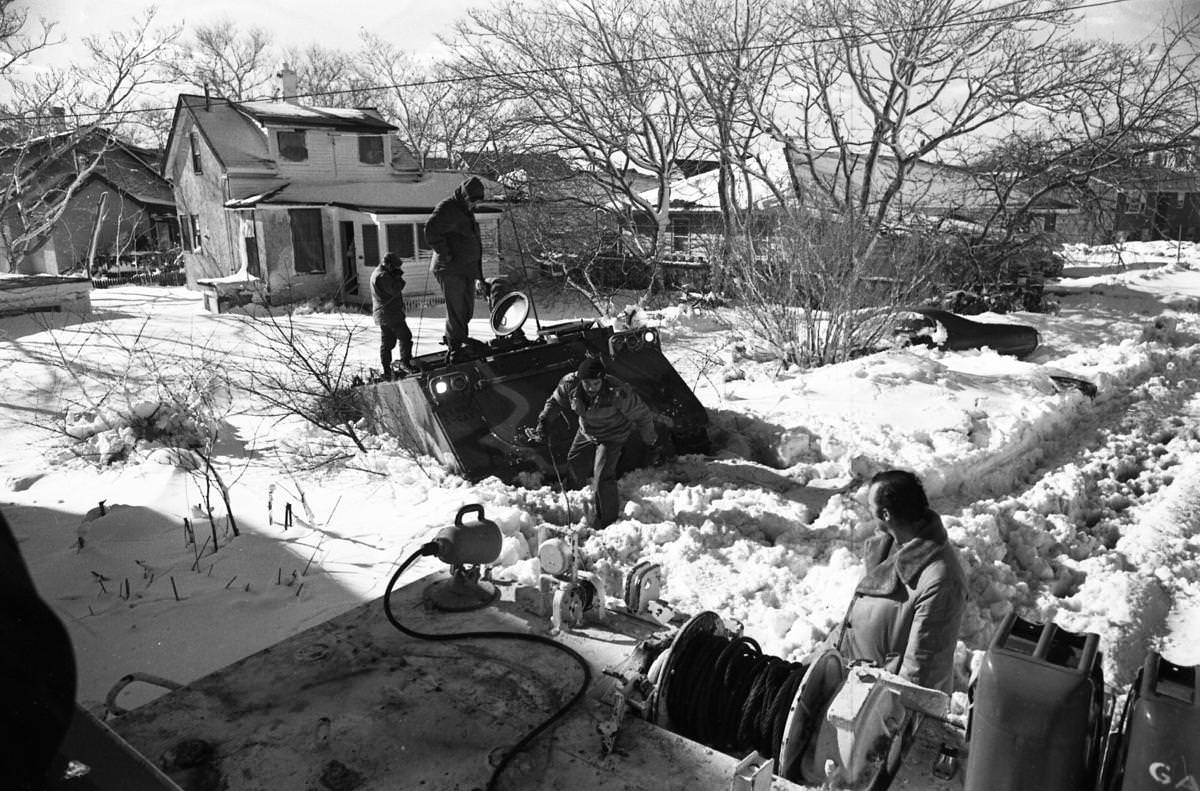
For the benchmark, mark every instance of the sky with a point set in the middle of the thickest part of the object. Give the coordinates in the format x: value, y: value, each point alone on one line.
x: 410, y: 24
x: 415, y: 25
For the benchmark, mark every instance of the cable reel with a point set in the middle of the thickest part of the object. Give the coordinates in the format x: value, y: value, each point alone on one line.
x: 697, y: 679
x: 643, y: 586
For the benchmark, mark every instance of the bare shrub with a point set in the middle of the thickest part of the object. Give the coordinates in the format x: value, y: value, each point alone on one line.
x: 821, y: 290
x: 306, y: 372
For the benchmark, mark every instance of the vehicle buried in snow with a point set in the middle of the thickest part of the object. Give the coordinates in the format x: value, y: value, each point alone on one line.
x: 952, y: 332
x: 471, y: 413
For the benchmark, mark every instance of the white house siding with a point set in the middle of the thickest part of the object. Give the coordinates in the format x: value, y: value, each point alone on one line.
x: 420, y: 284
x: 345, y: 151
x: 331, y: 155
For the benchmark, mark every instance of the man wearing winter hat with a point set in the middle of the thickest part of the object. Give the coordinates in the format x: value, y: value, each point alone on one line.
x: 608, y: 410
x: 387, y: 305
x: 457, y: 263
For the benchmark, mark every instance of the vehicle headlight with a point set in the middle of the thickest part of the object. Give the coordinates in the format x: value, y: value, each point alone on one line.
x: 449, y: 385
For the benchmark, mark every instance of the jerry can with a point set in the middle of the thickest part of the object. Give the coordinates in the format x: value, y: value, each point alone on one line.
x: 1037, y: 710
x: 1157, y: 744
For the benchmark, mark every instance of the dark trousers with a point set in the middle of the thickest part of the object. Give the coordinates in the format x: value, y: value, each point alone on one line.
x: 389, y: 334
x: 459, y: 292
x: 604, y: 475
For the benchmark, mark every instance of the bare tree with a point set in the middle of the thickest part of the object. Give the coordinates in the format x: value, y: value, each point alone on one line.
x: 17, y: 41
x: 589, y: 80
x: 68, y: 120
x: 1142, y: 103
x: 739, y: 46
x: 880, y: 85
x: 438, y: 115
x: 328, y: 77
x: 236, y: 64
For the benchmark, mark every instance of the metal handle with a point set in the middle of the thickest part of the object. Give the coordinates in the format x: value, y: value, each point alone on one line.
x: 476, y: 507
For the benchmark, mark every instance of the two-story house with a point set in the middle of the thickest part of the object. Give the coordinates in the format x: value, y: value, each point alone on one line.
x: 305, y: 200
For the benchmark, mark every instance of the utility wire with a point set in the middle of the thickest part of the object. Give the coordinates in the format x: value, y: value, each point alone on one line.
x: 966, y: 19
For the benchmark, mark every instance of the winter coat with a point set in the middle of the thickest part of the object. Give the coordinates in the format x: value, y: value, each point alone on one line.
x: 387, y: 296
x: 609, y: 417
x: 908, y: 607
x: 453, y: 234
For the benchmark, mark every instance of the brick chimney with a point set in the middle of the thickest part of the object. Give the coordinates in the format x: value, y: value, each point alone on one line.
x: 287, y: 83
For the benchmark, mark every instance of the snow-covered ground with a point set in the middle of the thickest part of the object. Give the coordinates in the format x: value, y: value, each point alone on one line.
x: 1085, y: 511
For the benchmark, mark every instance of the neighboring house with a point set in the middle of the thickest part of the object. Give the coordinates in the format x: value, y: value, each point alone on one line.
x: 1160, y: 199
x: 931, y: 192
x: 305, y: 199
x: 121, y: 206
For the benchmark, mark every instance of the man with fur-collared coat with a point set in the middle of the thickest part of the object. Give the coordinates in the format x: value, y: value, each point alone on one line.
x: 908, y: 608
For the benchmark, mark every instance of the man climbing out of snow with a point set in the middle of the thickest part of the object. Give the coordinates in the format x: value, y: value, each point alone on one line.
x: 453, y: 233
x: 907, y: 609
x: 608, y: 410
x: 387, y: 305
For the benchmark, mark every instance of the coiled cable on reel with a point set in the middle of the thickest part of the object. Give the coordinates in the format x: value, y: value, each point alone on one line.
x: 724, y: 692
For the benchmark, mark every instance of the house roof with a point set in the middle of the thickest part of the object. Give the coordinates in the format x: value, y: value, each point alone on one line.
x: 346, y: 119
x: 234, y: 130
x: 396, y: 197
x: 122, y: 166
x: 235, y: 140
x: 932, y: 186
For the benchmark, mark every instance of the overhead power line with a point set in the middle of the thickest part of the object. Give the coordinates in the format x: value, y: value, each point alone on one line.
x: 967, y: 19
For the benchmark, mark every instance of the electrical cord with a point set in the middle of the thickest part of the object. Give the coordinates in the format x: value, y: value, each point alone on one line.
x: 557, y: 474
x: 430, y: 549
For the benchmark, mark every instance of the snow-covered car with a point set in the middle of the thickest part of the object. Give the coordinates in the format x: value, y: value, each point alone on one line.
x: 952, y: 332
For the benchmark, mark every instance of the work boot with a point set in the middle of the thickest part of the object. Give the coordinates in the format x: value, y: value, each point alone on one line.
x: 407, y: 367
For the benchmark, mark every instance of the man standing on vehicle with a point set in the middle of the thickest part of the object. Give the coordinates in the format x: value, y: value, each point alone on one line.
x: 387, y: 306
x: 608, y: 410
x: 908, y: 608
x: 453, y: 233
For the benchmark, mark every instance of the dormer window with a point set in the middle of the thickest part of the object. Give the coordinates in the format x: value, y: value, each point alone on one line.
x: 292, y: 146
x: 370, y: 149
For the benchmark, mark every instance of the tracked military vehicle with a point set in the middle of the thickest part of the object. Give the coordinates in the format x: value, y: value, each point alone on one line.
x: 471, y: 412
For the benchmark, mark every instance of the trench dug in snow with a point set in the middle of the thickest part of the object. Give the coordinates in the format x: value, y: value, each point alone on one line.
x: 1051, y: 522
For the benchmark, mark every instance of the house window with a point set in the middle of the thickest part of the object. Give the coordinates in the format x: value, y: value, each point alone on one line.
x: 292, y: 146
x: 370, y: 149
x: 308, y: 241
x: 1051, y: 223
x: 401, y: 240
x: 679, y: 234
x: 194, y: 140
x: 370, y: 237
x: 253, y: 267
x: 190, y: 224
